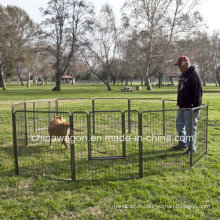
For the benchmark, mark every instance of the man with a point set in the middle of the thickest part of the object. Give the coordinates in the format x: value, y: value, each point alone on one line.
x: 189, y: 95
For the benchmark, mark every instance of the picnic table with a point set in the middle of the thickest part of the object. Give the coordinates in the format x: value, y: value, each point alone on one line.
x: 127, y: 89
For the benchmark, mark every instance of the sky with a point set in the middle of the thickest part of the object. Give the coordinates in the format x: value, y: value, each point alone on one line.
x: 208, y: 8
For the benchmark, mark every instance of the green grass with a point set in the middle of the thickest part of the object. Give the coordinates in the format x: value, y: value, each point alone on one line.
x: 39, y: 198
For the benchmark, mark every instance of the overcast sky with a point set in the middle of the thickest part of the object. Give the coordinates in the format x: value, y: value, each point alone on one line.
x: 210, y: 9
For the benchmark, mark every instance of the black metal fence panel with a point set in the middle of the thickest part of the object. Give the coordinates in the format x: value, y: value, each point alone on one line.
x: 201, y: 134
x: 35, y: 155
x: 158, y: 155
x: 104, y: 154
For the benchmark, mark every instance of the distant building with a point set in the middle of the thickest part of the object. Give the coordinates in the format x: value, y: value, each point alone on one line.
x: 65, y: 79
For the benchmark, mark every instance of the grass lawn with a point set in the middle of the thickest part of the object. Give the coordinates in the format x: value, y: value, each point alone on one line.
x: 190, y: 194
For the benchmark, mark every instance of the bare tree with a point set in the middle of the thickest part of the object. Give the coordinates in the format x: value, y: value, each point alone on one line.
x: 67, y: 21
x: 76, y: 67
x: 157, y: 18
x: 202, y: 55
x: 215, y: 57
x: 45, y: 67
x: 100, y: 49
x: 217, y: 76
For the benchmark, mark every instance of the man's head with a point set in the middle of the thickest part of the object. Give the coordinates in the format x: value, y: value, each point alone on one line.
x: 183, y: 63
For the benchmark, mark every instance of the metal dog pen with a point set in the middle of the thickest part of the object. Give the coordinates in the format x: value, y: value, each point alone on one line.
x: 121, y: 138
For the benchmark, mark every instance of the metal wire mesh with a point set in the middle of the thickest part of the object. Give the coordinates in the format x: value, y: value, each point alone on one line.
x: 36, y: 157
x: 145, y: 104
x: 108, y: 104
x: 158, y: 155
x: 72, y: 105
x: 103, y: 155
x: 169, y: 104
x: 201, y: 134
x: 109, y: 138
x: 18, y: 107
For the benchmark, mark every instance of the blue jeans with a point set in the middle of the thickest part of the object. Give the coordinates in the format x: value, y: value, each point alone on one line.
x: 183, y: 127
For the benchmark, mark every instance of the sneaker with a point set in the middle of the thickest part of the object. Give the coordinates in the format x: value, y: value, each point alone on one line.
x: 180, y: 146
x: 188, y: 152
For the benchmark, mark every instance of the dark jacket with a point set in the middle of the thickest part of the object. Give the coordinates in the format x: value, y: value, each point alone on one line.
x: 189, y: 89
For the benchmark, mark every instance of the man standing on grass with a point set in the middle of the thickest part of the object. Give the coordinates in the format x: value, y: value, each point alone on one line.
x: 189, y: 95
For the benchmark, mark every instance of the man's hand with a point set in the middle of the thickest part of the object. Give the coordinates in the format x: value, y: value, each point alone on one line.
x: 195, y: 112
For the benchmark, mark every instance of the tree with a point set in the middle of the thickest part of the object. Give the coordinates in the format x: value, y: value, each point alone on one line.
x: 19, y: 71
x: 215, y: 57
x: 100, y: 49
x: 7, y: 32
x: 217, y: 76
x: 17, y: 31
x: 76, y: 67
x: 159, y: 19
x: 67, y: 22
x: 203, y: 55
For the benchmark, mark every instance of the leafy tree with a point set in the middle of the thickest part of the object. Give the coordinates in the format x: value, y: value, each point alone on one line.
x: 17, y: 32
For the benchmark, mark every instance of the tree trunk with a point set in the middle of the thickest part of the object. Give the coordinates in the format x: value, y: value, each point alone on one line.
x: 218, y: 80
x: 142, y: 80
x: 107, y: 76
x: 20, y: 79
x: 28, y: 80
x: 109, y: 88
x: 148, y: 83
x: 107, y: 84
x: 126, y: 82
x: 42, y: 80
x: 2, y: 80
x: 74, y: 66
x: 117, y: 79
x: 58, y: 84
x: 159, y: 81
x: 171, y: 80
x: 203, y: 82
